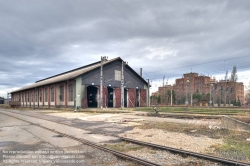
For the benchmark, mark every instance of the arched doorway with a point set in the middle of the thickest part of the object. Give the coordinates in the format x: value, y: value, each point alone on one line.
x: 110, y: 97
x: 92, y: 96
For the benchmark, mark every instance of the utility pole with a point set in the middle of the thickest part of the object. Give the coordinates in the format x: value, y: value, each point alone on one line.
x: 225, y: 89
x: 166, y: 91
x: 210, y: 102
x: 148, y: 94
x: 220, y: 94
x: 171, y: 98
x: 103, y: 59
x: 191, y: 92
x: 191, y: 102
x: 163, y: 81
x: 186, y: 94
x: 122, y: 87
x: 122, y: 84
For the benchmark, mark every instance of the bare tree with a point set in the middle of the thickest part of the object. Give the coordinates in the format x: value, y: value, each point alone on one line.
x: 247, y: 94
x: 234, y: 76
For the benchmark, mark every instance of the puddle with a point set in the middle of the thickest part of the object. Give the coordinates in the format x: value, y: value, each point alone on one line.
x: 7, y: 143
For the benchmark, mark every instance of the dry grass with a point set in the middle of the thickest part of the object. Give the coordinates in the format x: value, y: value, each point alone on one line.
x: 235, y: 146
x: 245, y: 118
x: 5, y: 106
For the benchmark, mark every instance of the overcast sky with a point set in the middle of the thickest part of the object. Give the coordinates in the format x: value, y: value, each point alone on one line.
x: 41, y: 38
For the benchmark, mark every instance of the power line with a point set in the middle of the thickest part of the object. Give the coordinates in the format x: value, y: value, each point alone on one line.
x: 211, y: 72
x: 202, y: 63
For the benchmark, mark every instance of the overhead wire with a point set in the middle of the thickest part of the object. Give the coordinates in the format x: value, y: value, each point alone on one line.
x: 204, y: 63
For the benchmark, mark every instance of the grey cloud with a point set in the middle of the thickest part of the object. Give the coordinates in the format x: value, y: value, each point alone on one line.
x: 44, y: 38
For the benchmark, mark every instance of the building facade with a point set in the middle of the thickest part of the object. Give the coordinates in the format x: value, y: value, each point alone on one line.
x: 81, y: 87
x: 222, y: 92
x: 1, y: 100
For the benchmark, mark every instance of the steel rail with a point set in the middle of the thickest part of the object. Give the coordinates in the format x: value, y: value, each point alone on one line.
x: 198, y: 155
x: 114, y: 152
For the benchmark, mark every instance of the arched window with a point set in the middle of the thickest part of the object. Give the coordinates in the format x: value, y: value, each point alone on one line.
x: 52, y: 94
x: 46, y: 95
x: 71, y: 93
x: 61, y: 93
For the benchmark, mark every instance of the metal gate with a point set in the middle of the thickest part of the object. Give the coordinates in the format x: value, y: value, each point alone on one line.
x: 131, y: 97
x: 143, y: 96
x: 117, y: 97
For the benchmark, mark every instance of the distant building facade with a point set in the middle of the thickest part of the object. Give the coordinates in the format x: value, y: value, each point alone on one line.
x: 1, y: 100
x: 222, y: 92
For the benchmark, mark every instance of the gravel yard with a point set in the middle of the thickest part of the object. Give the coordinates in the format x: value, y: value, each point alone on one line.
x: 199, y: 144
x: 196, y: 143
x: 167, y: 158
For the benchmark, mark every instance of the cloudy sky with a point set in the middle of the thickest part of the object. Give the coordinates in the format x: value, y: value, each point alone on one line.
x: 41, y: 38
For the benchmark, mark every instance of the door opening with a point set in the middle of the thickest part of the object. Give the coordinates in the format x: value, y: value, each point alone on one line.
x: 92, y: 96
x: 110, y: 97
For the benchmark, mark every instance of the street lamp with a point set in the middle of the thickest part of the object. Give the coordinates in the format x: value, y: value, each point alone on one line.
x: 210, y: 102
x: 186, y: 95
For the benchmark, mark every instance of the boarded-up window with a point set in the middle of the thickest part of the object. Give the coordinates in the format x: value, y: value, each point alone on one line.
x: 117, y: 75
x: 46, y: 95
x: 61, y: 93
x: 71, y: 93
x: 52, y: 94
x: 40, y: 95
x: 32, y: 96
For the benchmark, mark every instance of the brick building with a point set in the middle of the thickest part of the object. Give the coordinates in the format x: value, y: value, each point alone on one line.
x: 81, y: 87
x: 229, y: 91
x: 192, y: 83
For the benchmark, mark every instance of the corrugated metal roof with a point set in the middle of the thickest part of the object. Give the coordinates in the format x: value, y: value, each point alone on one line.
x: 66, y: 75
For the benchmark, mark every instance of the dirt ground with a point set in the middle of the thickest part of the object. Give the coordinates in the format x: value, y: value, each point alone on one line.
x: 189, y: 134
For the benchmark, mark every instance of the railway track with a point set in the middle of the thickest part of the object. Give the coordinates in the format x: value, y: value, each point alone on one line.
x: 125, y: 156
x: 116, y: 153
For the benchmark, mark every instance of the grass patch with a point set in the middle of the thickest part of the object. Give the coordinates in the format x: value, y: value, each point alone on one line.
x: 236, y: 147
x: 199, y: 110
x: 5, y: 106
x: 245, y: 118
x: 234, y: 150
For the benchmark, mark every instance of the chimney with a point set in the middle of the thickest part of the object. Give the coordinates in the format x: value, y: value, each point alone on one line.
x: 141, y: 72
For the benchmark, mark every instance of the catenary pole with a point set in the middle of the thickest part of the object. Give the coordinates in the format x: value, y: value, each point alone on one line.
x: 101, y: 81
x: 122, y: 86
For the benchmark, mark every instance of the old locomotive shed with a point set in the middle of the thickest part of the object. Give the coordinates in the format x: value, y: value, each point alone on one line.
x: 81, y: 88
